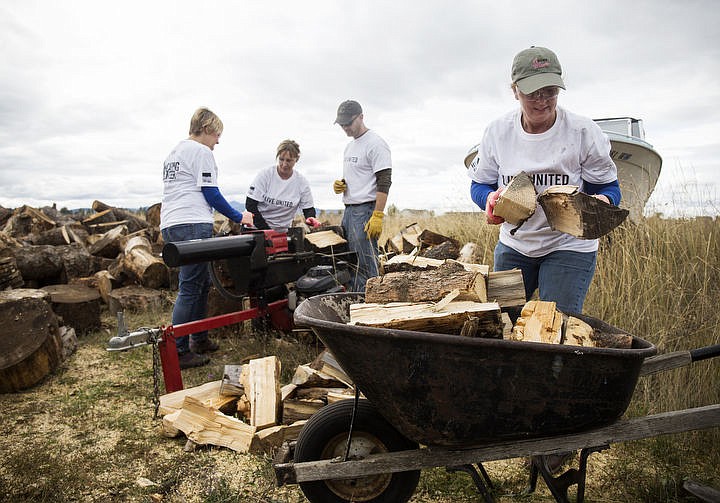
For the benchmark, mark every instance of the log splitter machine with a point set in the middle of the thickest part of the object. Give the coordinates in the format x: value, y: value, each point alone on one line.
x: 262, y: 266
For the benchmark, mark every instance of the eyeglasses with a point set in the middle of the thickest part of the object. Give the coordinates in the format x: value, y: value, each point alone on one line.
x: 546, y: 93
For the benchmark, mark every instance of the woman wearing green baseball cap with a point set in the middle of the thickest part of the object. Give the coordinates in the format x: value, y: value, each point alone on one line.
x: 554, y: 147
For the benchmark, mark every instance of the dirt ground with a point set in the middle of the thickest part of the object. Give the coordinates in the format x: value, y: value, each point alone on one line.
x: 87, y: 434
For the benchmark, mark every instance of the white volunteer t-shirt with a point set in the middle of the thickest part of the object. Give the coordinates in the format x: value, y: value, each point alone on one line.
x: 363, y: 157
x: 188, y: 168
x: 279, y: 200
x: 572, y: 150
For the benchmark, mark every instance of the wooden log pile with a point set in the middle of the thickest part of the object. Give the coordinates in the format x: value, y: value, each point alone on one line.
x: 108, y: 250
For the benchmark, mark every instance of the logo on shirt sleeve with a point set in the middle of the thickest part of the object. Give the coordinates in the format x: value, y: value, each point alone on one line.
x: 207, y: 177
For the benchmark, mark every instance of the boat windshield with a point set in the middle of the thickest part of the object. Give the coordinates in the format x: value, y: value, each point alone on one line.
x: 626, y: 126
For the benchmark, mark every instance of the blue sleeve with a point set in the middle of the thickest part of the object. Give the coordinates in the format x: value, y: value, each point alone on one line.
x: 611, y: 190
x: 215, y: 199
x: 480, y: 191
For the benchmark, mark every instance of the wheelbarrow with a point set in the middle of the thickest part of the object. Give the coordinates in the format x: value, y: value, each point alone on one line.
x: 446, y: 400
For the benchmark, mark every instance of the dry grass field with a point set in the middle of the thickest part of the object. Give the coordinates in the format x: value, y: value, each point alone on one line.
x: 87, y: 432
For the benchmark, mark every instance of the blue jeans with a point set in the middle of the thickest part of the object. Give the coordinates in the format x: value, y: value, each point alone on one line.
x: 354, y: 219
x: 562, y: 276
x: 193, y: 286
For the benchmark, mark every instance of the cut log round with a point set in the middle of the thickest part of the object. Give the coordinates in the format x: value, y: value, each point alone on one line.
x: 134, y: 298
x: 78, y: 305
x: 30, y: 343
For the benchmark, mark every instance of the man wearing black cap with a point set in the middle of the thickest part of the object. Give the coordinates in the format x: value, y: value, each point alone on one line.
x: 367, y: 175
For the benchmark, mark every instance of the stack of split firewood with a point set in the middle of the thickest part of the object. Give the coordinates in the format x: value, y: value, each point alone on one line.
x: 463, y: 298
x: 248, y: 410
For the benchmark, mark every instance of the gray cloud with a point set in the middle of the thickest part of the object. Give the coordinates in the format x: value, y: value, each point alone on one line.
x: 93, y: 97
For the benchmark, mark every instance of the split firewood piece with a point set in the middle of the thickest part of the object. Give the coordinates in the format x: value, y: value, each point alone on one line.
x: 307, y: 377
x: 517, y: 202
x: 298, y: 409
x: 437, y: 246
x: 268, y: 440
x: 105, y: 283
x: 404, y: 262
x: 421, y: 316
x: 539, y: 321
x: 233, y: 382
x: 263, y: 391
x: 444, y: 251
x: 427, y: 285
x: 208, y: 394
x: 404, y: 241
x: 328, y: 365
x: 207, y: 425
x: 338, y: 394
x: 507, y: 288
x: 578, y: 333
x: 324, y: 239
x: 578, y: 214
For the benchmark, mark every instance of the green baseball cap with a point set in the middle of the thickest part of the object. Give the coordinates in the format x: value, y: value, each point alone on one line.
x: 347, y: 111
x: 535, y: 68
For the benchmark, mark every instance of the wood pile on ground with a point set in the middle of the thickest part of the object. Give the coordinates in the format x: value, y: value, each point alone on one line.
x: 248, y: 410
x: 108, y: 250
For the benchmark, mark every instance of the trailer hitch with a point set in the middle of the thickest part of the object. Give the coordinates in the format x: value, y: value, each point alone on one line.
x: 125, y: 340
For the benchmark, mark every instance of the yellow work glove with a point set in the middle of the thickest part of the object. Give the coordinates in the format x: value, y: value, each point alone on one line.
x: 339, y: 186
x: 373, y: 227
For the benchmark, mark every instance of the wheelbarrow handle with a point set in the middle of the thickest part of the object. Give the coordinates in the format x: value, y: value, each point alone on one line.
x: 705, y: 353
x: 678, y: 359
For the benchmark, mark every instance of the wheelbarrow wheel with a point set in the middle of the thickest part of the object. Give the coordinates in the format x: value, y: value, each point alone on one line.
x: 325, y: 436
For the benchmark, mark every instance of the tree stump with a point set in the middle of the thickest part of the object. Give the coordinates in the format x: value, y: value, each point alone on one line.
x: 134, y: 298
x: 77, y: 305
x: 30, y: 343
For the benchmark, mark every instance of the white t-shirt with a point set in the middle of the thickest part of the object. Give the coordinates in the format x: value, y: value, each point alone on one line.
x: 189, y: 167
x: 572, y: 150
x: 363, y: 157
x: 279, y: 200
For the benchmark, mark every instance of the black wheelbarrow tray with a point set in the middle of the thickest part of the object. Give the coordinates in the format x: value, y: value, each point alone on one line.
x: 467, y: 400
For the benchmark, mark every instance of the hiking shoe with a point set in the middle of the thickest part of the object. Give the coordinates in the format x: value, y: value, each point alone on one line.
x: 202, y: 347
x: 192, y: 359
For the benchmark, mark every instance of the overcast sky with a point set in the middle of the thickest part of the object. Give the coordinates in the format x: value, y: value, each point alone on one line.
x: 94, y: 95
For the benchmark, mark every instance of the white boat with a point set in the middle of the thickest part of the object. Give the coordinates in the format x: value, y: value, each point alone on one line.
x: 637, y: 162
